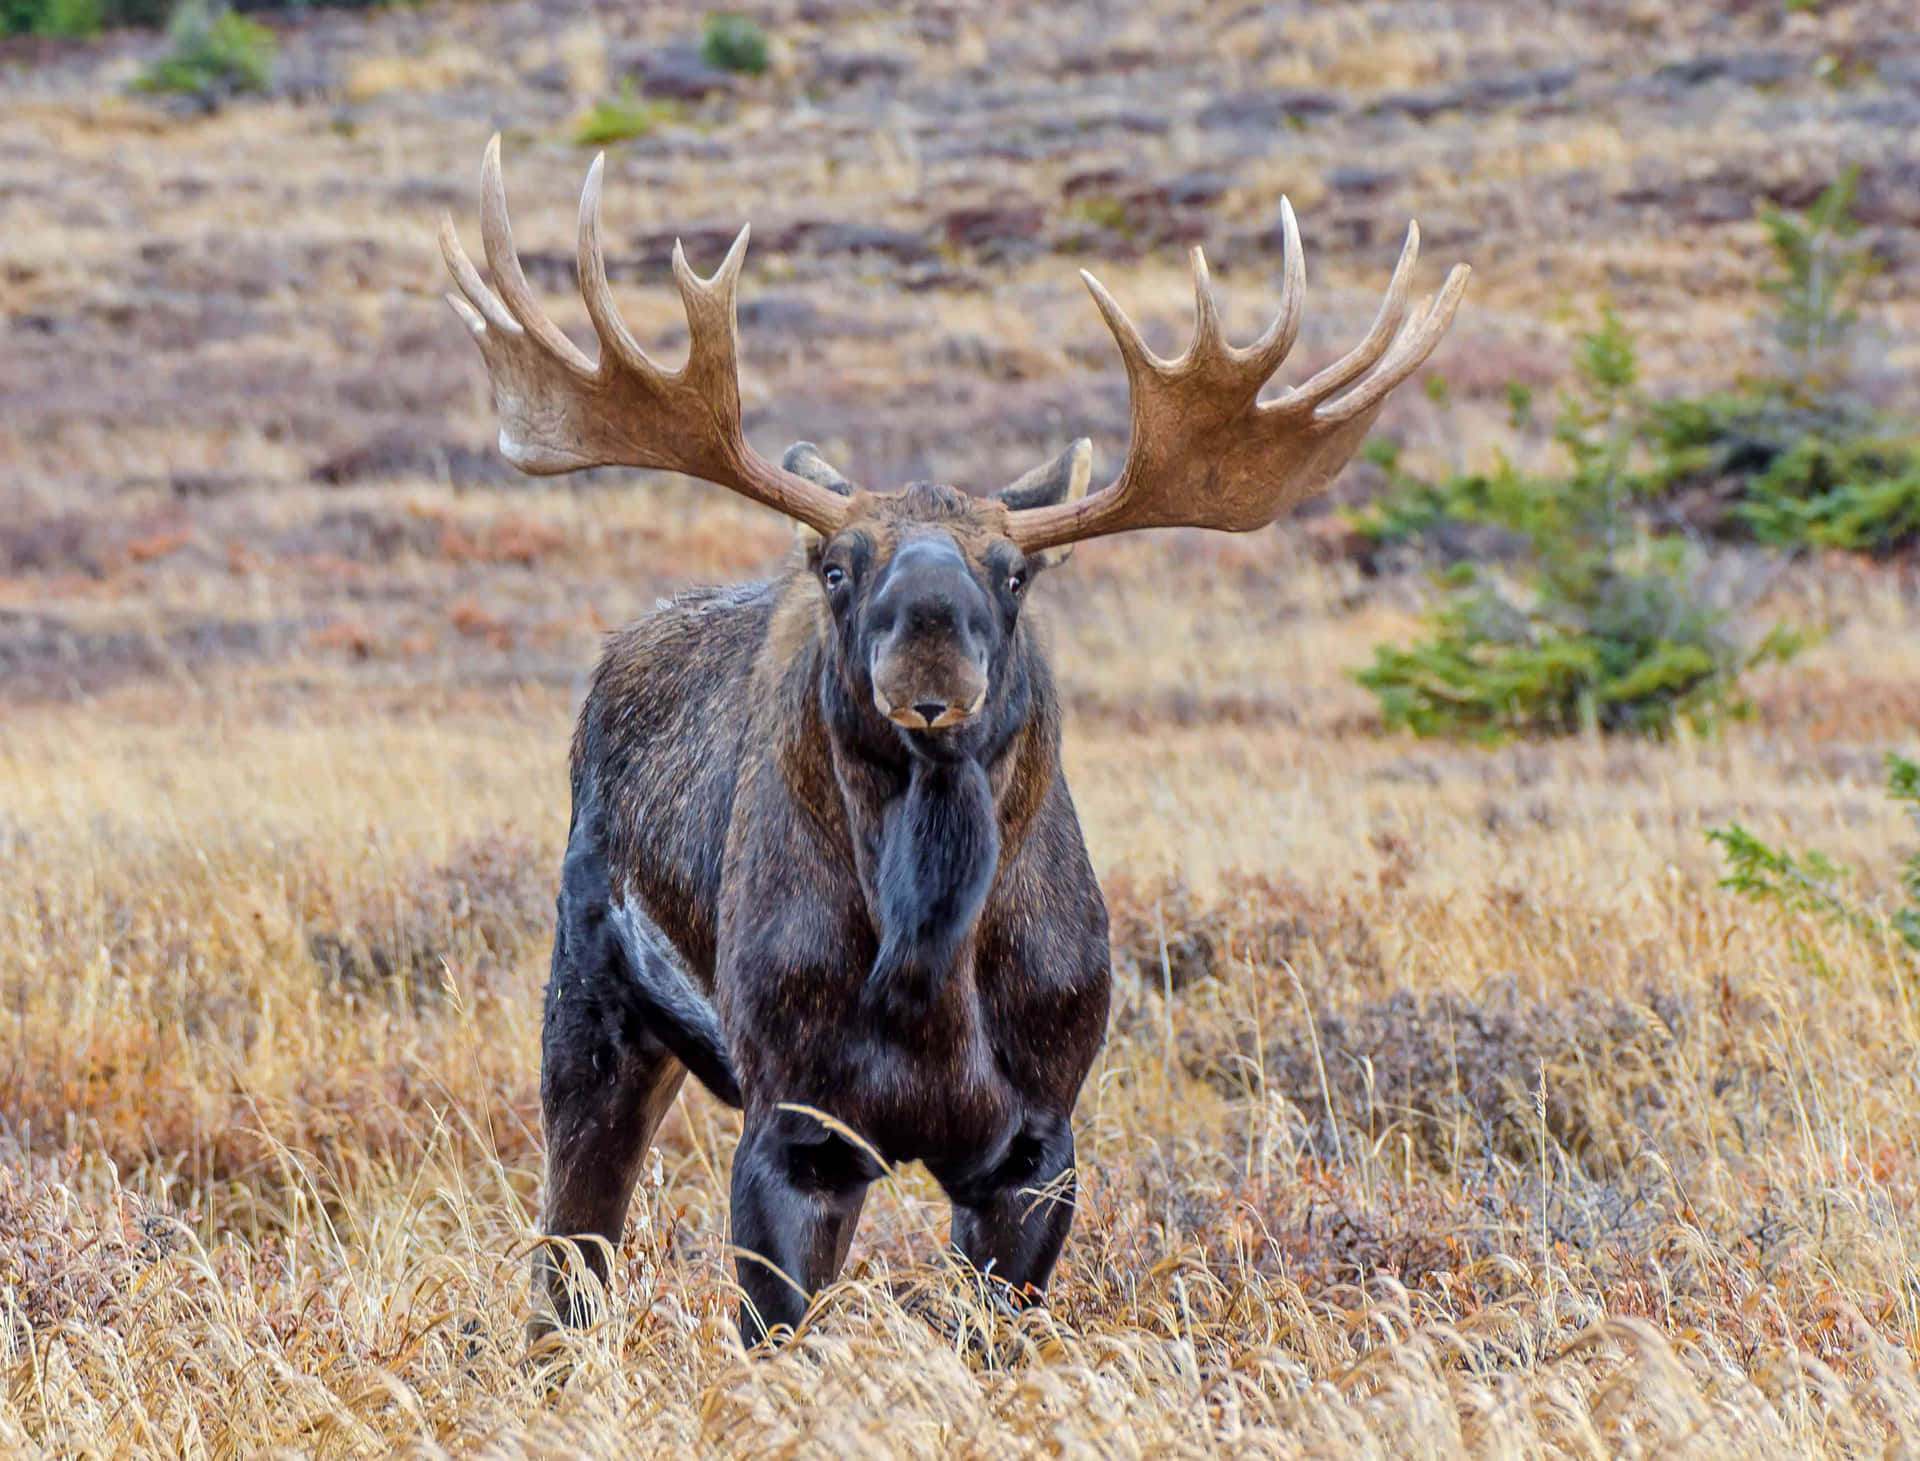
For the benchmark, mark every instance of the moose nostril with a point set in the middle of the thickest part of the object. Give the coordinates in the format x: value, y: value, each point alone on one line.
x: 930, y: 710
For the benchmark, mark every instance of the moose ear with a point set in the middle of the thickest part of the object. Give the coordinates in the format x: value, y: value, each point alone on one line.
x: 1064, y: 479
x: 803, y: 459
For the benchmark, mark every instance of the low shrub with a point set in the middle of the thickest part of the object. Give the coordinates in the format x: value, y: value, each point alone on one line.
x: 50, y: 17
x: 1415, y: 511
x: 1735, y: 436
x: 89, y: 17
x: 734, y: 43
x: 78, y: 18
x: 1636, y: 652
x: 1862, y: 495
x: 1796, y: 460
x: 211, y: 56
x: 1792, y: 473
x: 1792, y: 460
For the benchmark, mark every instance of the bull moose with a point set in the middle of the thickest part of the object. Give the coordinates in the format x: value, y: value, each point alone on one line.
x: 822, y: 853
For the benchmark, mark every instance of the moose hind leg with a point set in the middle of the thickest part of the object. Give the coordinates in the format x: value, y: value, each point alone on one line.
x: 605, y: 1083
x: 601, y: 1100
x: 797, y: 1193
x: 1010, y: 1222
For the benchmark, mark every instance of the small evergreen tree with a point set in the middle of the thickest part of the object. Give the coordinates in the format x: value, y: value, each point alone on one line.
x: 212, y: 55
x: 1607, y: 630
x: 1817, y: 287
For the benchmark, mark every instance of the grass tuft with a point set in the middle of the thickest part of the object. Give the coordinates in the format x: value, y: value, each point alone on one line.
x: 621, y: 119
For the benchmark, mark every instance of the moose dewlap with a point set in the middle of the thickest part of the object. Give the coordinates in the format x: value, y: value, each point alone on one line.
x: 822, y: 853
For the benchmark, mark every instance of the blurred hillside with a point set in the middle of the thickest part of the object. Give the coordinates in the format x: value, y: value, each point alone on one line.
x: 225, y: 348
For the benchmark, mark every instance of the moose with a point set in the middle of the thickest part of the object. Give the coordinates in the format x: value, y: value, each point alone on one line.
x: 822, y: 853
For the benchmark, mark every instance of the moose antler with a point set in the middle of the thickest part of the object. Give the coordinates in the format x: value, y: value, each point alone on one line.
x: 560, y: 411
x: 1206, y: 452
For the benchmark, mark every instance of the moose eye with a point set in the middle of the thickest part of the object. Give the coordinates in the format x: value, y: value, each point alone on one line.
x: 833, y: 575
x: 1016, y: 581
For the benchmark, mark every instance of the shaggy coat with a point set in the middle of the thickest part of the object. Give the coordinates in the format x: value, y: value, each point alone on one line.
x: 874, y: 928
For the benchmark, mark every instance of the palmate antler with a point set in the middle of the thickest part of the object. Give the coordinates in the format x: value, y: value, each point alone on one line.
x: 560, y: 411
x: 1205, y: 450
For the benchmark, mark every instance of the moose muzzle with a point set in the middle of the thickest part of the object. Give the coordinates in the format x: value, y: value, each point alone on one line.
x: 932, y: 629
x: 927, y: 686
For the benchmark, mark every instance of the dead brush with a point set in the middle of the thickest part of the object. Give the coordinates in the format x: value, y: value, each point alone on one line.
x: 1262, y: 1262
x: 1171, y: 936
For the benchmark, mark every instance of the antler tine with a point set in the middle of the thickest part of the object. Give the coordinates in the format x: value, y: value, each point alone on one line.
x: 469, y: 316
x: 1379, y: 337
x: 1133, y: 348
x: 1408, y: 354
x: 709, y: 303
x: 1206, y: 312
x: 1276, y: 342
x: 481, y: 308
x: 720, y: 284
x: 615, y: 340
x: 496, y: 237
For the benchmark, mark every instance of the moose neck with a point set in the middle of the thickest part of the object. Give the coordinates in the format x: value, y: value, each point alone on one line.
x: 928, y: 819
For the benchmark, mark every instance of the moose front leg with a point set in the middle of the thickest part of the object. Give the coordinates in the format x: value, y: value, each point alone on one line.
x: 797, y: 1193
x: 1010, y: 1222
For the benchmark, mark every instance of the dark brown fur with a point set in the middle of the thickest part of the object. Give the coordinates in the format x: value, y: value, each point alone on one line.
x: 770, y: 880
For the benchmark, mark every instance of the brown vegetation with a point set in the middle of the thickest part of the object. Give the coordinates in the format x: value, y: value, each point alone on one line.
x: 1448, y: 1104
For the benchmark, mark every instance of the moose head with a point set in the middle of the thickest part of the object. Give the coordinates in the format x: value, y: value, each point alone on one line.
x: 923, y: 594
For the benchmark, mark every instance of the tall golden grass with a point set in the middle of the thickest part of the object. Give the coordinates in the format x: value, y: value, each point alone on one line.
x: 1448, y: 1105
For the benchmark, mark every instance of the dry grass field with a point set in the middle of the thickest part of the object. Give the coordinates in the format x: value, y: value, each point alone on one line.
x: 1448, y: 1106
